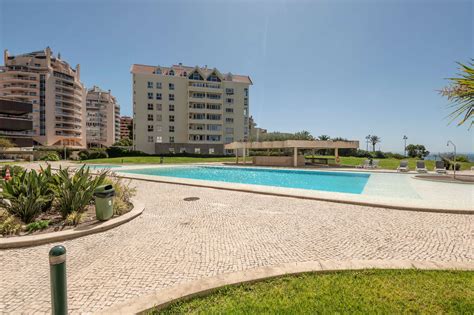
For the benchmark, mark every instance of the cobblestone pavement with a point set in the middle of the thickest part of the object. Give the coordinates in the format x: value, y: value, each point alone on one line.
x: 175, y: 241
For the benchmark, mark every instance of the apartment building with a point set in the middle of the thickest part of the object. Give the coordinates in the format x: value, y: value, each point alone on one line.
x: 102, y: 118
x: 125, y: 126
x: 55, y: 91
x: 188, y: 109
x: 16, y: 122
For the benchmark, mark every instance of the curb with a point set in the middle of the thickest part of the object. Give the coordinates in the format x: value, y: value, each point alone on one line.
x: 40, y: 239
x: 162, y: 298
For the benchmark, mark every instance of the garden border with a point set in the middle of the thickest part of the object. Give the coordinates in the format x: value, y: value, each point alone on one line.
x: 40, y: 239
x: 162, y: 298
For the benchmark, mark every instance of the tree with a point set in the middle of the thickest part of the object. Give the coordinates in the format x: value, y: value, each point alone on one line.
x: 417, y: 151
x: 125, y: 142
x: 461, y: 95
x: 374, y: 140
x: 130, y: 129
x: 6, y: 143
x: 303, y: 135
x: 324, y: 137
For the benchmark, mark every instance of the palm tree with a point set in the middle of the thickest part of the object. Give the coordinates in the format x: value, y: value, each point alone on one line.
x: 324, y: 137
x: 461, y: 94
x: 374, y: 140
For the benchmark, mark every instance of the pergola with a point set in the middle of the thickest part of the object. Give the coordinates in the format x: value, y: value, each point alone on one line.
x: 291, y: 144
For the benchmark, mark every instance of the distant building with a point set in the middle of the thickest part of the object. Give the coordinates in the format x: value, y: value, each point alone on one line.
x: 55, y: 91
x: 188, y: 109
x: 255, y: 132
x: 103, y: 118
x: 125, y: 126
x: 16, y: 122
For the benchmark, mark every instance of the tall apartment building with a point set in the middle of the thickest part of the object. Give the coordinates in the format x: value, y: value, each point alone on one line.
x: 184, y: 109
x: 102, y: 118
x: 125, y: 126
x: 55, y: 91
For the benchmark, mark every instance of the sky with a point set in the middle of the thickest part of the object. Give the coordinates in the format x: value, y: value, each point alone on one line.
x: 340, y: 68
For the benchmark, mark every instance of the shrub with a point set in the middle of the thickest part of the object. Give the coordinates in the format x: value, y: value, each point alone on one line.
x: 122, y: 152
x: 74, y: 218
x: 93, y: 154
x: 379, y: 155
x: 51, y: 156
x: 37, y: 225
x: 15, y: 170
x: 75, y: 192
x: 27, y: 194
x: 462, y: 158
x: 8, y: 223
x: 394, y: 156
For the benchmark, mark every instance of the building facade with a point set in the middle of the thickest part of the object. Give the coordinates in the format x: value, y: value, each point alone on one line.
x: 126, y: 123
x: 55, y: 91
x: 102, y: 118
x: 181, y: 109
x: 16, y: 122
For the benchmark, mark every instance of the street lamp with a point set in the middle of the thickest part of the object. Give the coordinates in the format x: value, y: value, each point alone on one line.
x: 405, y: 148
x: 367, y: 139
x: 454, y: 165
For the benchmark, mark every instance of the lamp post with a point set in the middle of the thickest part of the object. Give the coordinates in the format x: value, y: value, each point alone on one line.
x: 454, y: 165
x: 405, y: 147
x: 367, y: 139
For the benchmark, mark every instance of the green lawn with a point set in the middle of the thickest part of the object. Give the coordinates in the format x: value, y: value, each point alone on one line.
x: 156, y: 160
x: 391, y: 164
x: 361, y: 292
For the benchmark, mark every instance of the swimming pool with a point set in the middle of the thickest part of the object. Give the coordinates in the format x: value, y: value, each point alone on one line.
x: 353, y: 183
x: 101, y: 166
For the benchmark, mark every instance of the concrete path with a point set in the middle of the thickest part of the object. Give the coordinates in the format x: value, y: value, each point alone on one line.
x: 176, y: 241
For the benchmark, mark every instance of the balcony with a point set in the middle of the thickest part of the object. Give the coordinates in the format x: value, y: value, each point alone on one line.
x: 15, y: 124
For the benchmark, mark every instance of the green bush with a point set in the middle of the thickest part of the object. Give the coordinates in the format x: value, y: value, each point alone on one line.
x: 51, y: 156
x: 122, y: 152
x: 93, y: 154
x: 15, y: 170
x: 74, y: 218
x: 379, y: 155
x: 8, y: 223
x: 27, y: 195
x: 74, y: 192
x: 462, y: 158
x: 37, y: 225
x: 123, y: 194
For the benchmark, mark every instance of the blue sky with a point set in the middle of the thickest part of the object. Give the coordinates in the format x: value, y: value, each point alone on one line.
x: 342, y: 68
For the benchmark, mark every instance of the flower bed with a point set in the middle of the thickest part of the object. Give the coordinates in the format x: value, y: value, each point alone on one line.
x: 40, y: 202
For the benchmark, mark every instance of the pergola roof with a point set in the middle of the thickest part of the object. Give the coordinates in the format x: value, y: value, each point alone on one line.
x: 300, y: 144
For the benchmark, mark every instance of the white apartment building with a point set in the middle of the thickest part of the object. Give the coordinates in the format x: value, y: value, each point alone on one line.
x: 103, y: 118
x: 55, y: 91
x: 188, y: 109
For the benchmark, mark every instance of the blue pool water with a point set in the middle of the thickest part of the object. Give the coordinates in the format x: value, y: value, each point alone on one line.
x: 314, y: 180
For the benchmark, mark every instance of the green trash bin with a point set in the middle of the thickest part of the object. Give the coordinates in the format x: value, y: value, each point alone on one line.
x: 104, y: 202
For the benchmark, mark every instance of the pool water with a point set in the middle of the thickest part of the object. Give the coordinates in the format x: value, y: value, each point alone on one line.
x: 314, y: 180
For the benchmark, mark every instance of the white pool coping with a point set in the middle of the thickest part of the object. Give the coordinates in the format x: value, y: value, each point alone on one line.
x: 426, y: 196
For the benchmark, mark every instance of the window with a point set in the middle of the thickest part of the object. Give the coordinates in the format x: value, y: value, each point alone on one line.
x: 159, y: 139
x: 159, y: 128
x: 214, y: 127
x: 213, y: 138
x: 150, y: 85
x: 229, y: 100
x: 150, y: 128
x: 195, y: 76
x: 171, y: 150
x: 171, y: 129
x: 150, y: 117
x: 171, y: 118
x: 171, y: 108
x: 246, y: 90
x: 211, y: 150
x: 197, y: 150
x: 158, y: 96
x: 150, y: 138
x: 150, y: 96
x: 214, y: 106
x: 229, y: 130
x: 159, y: 117
x: 171, y: 139
x: 171, y: 86
x: 171, y: 97
x: 213, y: 117
x: 198, y: 95
x: 182, y: 150
x: 229, y: 120
x: 150, y: 106
x: 158, y: 85
x: 229, y: 110
x: 158, y: 106
x: 229, y: 91
x: 229, y: 139
x: 171, y: 72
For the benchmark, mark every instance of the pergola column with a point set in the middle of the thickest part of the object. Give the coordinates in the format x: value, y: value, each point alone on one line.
x: 295, y: 157
x: 336, y: 153
x: 236, y: 156
x: 243, y: 154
